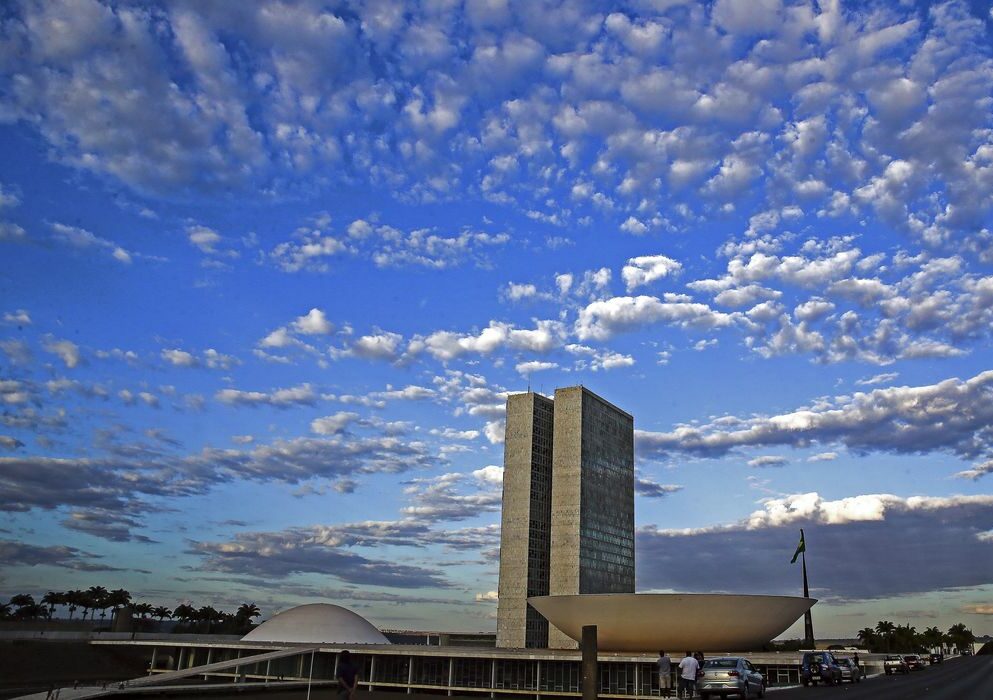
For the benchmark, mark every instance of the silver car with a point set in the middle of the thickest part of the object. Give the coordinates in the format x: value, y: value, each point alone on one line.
x: 849, y: 671
x: 730, y: 675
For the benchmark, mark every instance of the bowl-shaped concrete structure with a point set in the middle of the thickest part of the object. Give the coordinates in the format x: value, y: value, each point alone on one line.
x: 676, y: 622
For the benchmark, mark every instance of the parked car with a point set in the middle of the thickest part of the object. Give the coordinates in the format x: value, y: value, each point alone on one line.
x: 966, y: 652
x: 914, y: 662
x: 849, y: 670
x: 937, y: 659
x: 730, y: 675
x: 894, y: 663
x: 819, y: 666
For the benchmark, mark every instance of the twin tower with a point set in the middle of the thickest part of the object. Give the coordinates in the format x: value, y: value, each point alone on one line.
x: 568, y: 508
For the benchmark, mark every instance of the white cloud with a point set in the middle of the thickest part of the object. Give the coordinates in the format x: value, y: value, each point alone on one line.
x: 491, y: 475
x: 647, y: 269
x: 633, y: 225
x: 528, y: 368
x: 884, y: 378
x: 8, y: 198
x: 446, y: 345
x: 314, y: 322
x: 516, y: 292
x: 82, y: 239
x: 767, y: 461
x: 10, y: 231
x: 333, y: 425
x: 949, y: 416
x: 179, y: 358
x: 19, y: 317
x: 66, y: 350
x: 302, y: 394
x: 379, y: 346
x: 204, y: 238
x: 600, y: 320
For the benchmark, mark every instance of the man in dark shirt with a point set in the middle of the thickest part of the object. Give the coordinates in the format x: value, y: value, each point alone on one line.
x: 665, y: 674
x: 347, y: 676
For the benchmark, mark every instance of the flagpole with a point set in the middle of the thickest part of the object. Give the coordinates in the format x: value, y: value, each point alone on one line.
x: 808, y: 620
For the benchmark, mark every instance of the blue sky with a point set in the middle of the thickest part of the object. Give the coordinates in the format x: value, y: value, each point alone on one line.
x: 269, y: 271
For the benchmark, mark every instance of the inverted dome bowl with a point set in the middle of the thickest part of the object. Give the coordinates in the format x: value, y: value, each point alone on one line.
x: 676, y: 622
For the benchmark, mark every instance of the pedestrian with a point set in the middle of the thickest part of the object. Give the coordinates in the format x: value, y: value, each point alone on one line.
x: 687, y: 675
x: 347, y: 676
x: 665, y: 674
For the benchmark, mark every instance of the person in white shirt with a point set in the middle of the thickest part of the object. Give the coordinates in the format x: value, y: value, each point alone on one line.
x: 687, y: 675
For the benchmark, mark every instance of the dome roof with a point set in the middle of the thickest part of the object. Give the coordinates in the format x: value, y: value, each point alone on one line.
x: 317, y: 623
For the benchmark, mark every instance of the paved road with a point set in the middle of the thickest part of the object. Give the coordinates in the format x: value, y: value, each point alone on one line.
x: 966, y: 678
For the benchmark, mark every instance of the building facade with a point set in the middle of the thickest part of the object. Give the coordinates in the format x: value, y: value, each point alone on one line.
x: 525, y: 538
x: 568, y: 502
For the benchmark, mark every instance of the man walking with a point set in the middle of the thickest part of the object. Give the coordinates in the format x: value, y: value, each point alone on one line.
x: 687, y: 675
x: 665, y: 675
x: 347, y: 676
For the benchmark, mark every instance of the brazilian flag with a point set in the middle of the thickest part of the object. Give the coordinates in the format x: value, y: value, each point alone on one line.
x: 802, y: 547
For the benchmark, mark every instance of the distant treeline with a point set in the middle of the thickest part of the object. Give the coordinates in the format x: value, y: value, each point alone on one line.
x: 205, y: 619
x: 886, y: 637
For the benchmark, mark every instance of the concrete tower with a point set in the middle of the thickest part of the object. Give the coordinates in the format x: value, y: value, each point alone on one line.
x: 592, y: 499
x: 525, y: 534
x: 568, y: 508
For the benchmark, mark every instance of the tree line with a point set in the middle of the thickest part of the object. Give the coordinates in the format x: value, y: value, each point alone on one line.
x: 886, y: 637
x: 206, y: 618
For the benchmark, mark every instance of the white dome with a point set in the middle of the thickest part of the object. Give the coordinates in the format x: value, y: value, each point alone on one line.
x: 317, y: 623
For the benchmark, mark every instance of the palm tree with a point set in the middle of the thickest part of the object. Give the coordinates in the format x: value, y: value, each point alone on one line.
x: 248, y: 610
x: 118, y: 599
x: 75, y: 600
x: 207, y: 614
x: 87, y: 603
x: 959, y: 635
x: 885, y: 629
x: 162, y: 612
x: 51, y: 599
x: 22, y: 600
x: 867, y: 636
x: 31, y: 611
x: 98, y: 599
x: 143, y: 609
x: 184, y: 612
x: 932, y: 638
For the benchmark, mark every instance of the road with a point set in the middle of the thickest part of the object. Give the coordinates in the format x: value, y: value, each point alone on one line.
x: 964, y: 678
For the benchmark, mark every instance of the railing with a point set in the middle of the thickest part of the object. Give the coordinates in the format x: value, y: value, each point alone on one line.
x: 451, y: 673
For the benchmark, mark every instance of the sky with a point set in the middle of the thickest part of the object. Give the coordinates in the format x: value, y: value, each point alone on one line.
x: 269, y: 270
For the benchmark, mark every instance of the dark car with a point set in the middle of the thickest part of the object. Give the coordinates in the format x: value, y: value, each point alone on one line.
x: 914, y: 662
x: 819, y: 666
x: 937, y: 658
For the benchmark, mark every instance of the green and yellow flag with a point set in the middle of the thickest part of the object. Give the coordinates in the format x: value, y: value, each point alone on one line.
x: 802, y: 547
